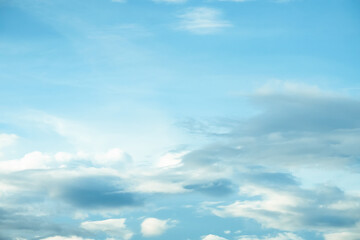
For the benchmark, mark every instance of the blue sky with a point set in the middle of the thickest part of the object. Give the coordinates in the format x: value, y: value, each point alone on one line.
x: 179, y: 119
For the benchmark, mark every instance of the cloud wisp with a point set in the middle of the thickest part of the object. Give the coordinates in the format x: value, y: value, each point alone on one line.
x: 113, y: 227
x: 202, y: 20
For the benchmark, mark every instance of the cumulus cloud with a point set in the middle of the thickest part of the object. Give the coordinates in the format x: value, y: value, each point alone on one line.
x: 154, y: 227
x: 112, y: 227
x: 114, y: 158
x: 170, y: 160
x: 212, y: 237
x: 33, y: 160
x: 202, y: 20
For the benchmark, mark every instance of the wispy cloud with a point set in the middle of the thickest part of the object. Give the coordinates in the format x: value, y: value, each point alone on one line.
x: 276, y: 1
x: 202, y: 20
x: 170, y: 1
x: 113, y: 227
x: 280, y: 236
x: 65, y: 238
x: 235, y: 0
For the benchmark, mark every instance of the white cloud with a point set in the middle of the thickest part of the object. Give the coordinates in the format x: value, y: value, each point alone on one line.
x: 295, y: 208
x: 277, y: 1
x: 285, y: 236
x: 33, y: 160
x: 152, y: 186
x: 112, y: 227
x: 170, y: 160
x: 280, y: 236
x: 343, y: 235
x: 212, y: 237
x: 235, y: 0
x: 7, y: 189
x: 65, y: 238
x: 292, y: 88
x: 272, y: 206
x: 113, y: 158
x: 275, y: 201
x: 170, y: 1
x: 202, y: 20
x: 7, y: 139
x: 155, y: 227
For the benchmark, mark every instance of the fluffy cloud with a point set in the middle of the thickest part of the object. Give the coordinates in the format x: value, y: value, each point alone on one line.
x: 112, y: 227
x: 202, y: 20
x: 170, y: 160
x: 33, y: 160
x: 113, y: 159
x: 155, y: 227
x: 212, y: 237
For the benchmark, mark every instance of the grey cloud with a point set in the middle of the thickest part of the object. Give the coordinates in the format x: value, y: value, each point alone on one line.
x: 219, y: 188
x: 41, y: 195
x: 285, y: 112
x: 16, y: 223
x: 291, y: 129
x: 270, y: 179
x: 209, y: 155
x: 325, y: 208
x: 97, y: 192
